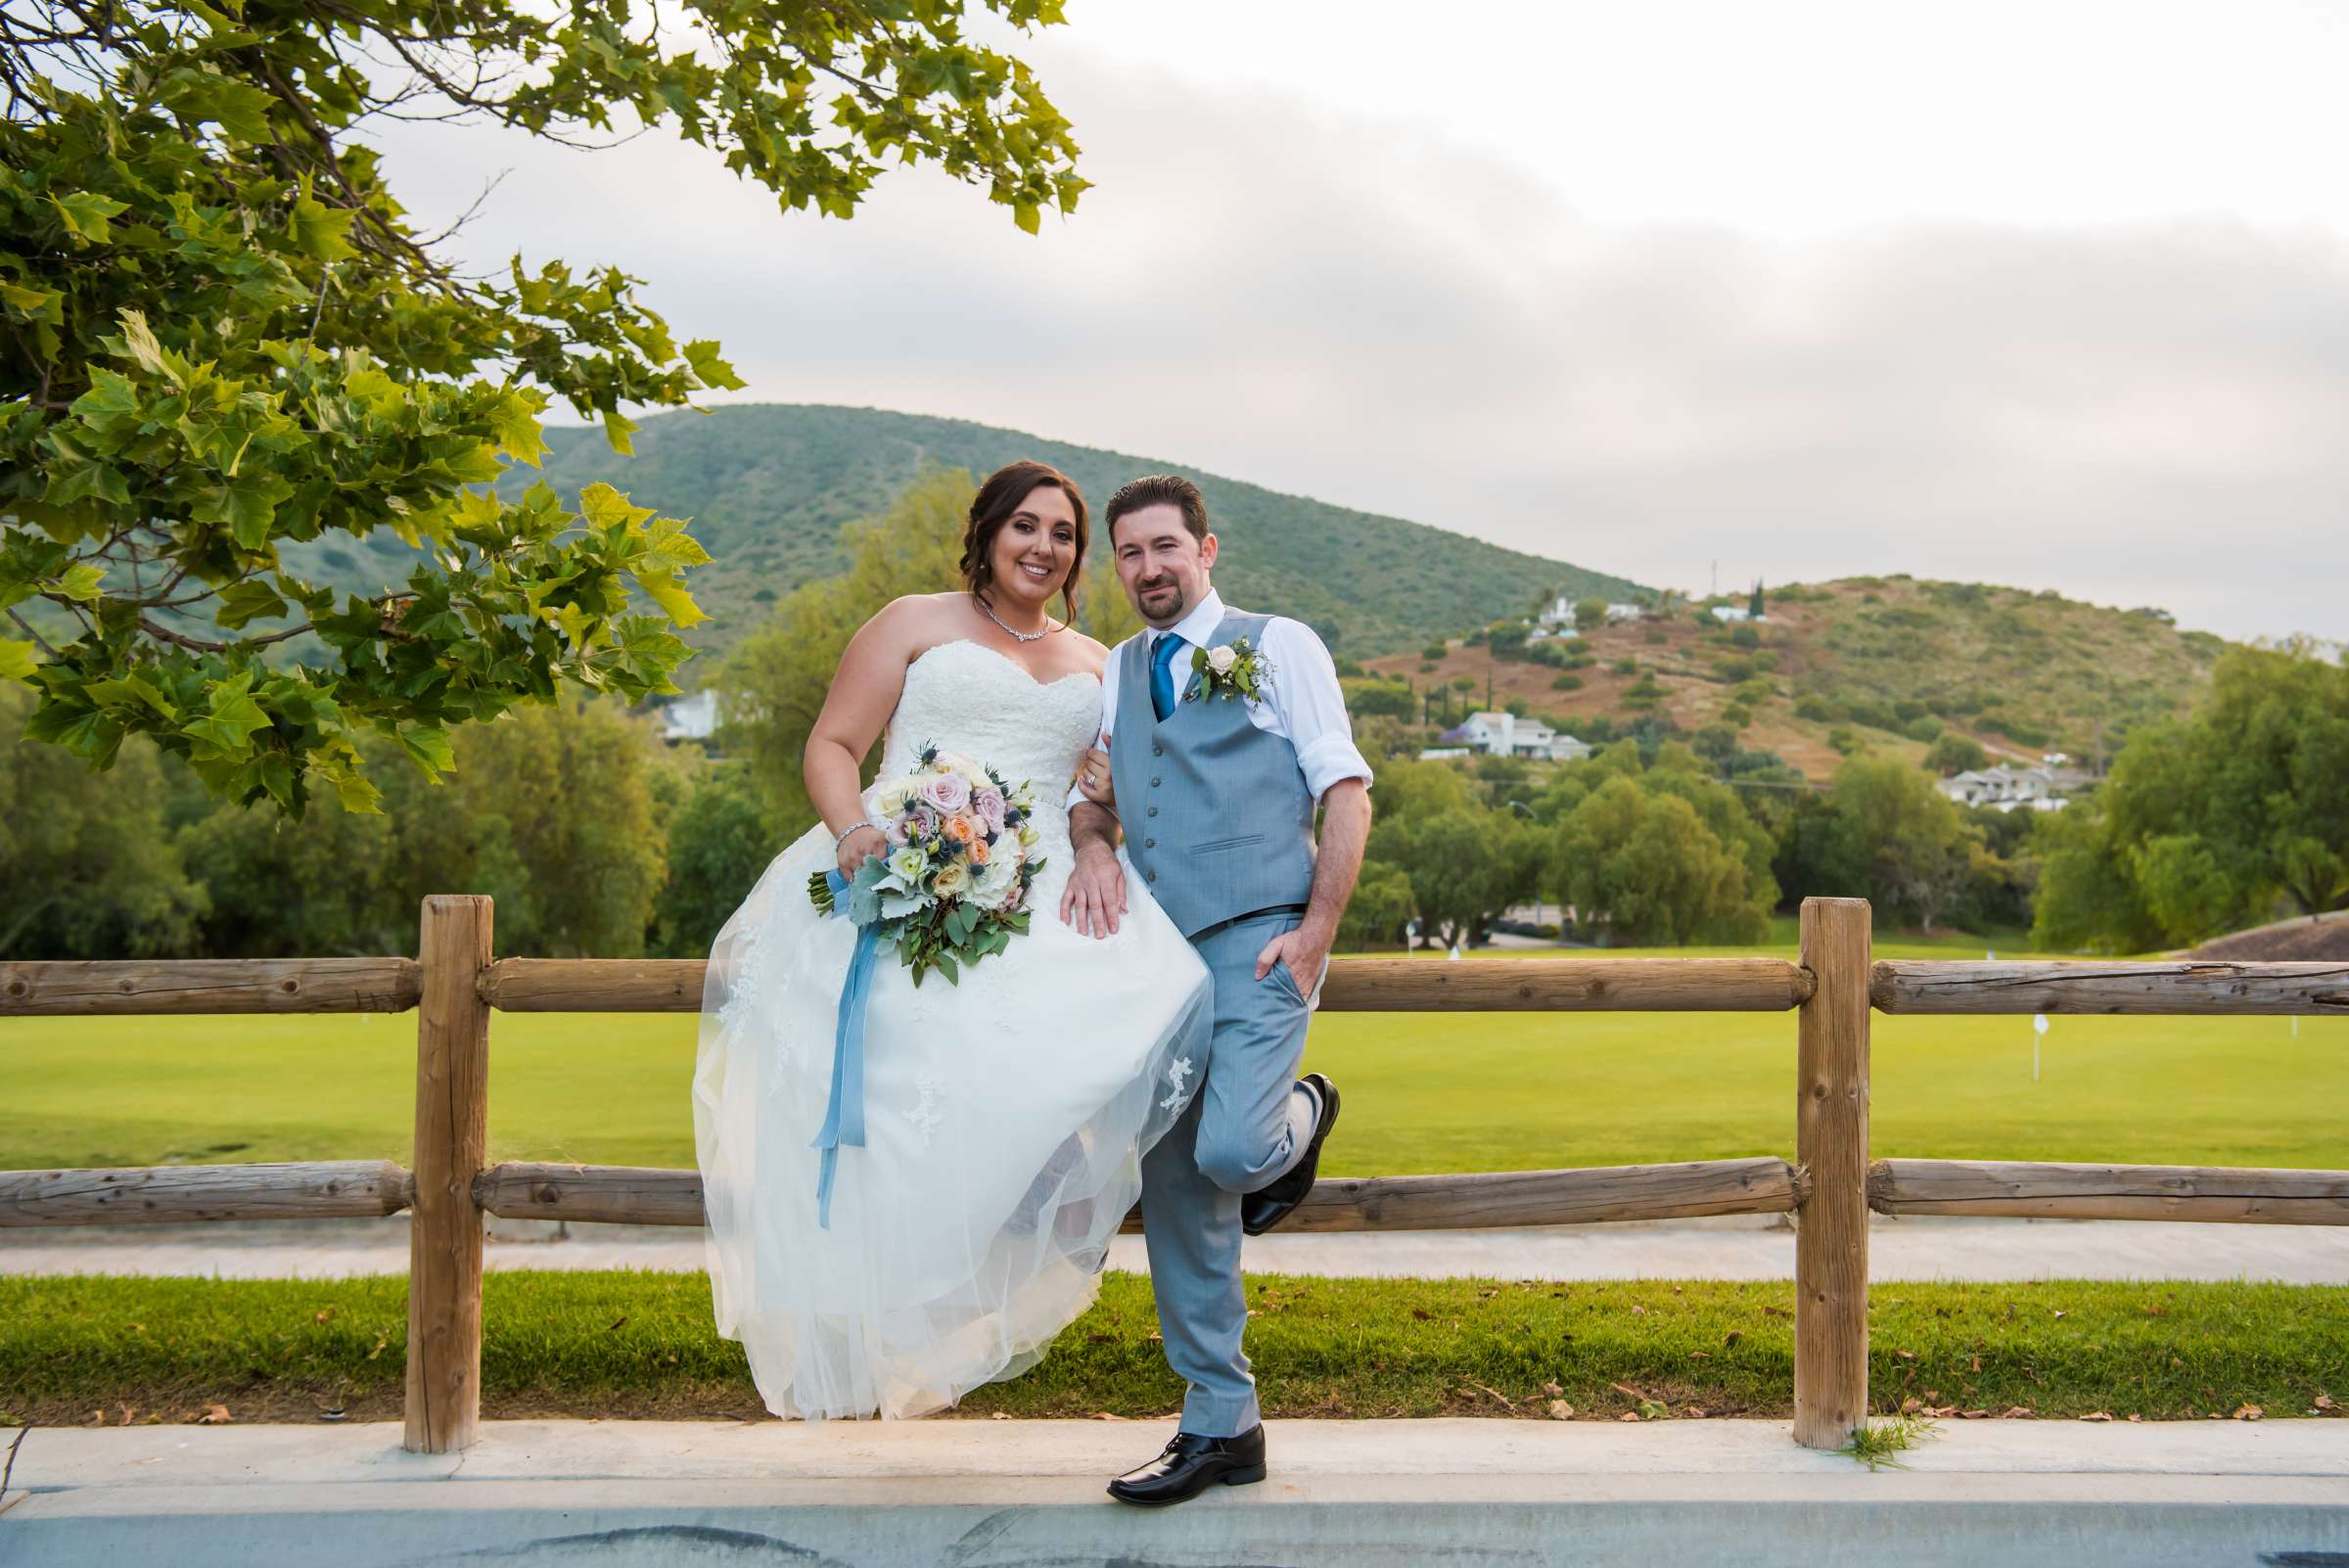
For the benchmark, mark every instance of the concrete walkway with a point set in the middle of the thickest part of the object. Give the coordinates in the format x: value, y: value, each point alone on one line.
x: 1364, y: 1495
x: 1732, y: 1247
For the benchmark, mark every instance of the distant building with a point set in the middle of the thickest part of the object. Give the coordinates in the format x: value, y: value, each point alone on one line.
x: 1559, y: 614
x: 1500, y: 734
x: 1625, y: 612
x: 693, y: 718
x: 1443, y: 754
x: 2042, y: 788
x: 1735, y: 613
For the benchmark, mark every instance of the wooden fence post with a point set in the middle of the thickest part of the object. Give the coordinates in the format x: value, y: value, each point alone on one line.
x: 1831, y: 1140
x: 453, y: 1127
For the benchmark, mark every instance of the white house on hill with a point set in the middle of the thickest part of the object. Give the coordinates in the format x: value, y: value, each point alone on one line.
x: 693, y: 718
x: 1496, y: 734
x: 2045, y: 787
x: 1559, y: 616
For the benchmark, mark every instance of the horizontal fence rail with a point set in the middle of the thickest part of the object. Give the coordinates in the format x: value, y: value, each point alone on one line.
x: 642, y: 1196
x: 2215, y: 1193
x: 1355, y: 985
x: 66, y: 987
x: 2185, y: 987
x: 456, y: 985
x: 167, y: 1194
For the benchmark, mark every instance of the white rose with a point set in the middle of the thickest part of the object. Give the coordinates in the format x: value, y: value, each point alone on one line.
x: 952, y: 879
x: 1220, y: 660
x: 908, y: 866
x: 994, y: 882
x: 893, y: 797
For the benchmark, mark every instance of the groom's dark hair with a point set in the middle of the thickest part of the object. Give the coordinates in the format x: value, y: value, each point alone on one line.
x: 1159, y: 490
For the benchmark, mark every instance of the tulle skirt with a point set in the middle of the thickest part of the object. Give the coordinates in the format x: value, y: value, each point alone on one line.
x: 1005, y: 1117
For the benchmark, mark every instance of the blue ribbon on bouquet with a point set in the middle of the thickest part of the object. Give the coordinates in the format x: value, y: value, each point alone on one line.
x: 844, y: 1118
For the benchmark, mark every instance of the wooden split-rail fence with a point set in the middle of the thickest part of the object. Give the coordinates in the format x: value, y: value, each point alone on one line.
x: 455, y: 984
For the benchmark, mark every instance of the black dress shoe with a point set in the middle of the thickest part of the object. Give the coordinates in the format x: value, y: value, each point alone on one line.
x: 1192, y: 1463
x: 1267, y: 1206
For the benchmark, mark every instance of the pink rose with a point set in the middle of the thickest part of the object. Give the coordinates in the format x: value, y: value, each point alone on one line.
x: 989, y: 803
x: 900, y: 828
x: 947, y: 792
x: 925, y: 823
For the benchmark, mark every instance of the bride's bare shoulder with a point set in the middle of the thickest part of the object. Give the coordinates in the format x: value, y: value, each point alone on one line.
x: 919, y: 620
x: 1089, y: 654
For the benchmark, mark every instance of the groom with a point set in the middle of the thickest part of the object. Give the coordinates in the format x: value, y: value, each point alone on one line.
x: 1218, y: 789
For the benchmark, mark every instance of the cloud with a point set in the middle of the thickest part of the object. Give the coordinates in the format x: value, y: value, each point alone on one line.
x: 1345, y: 307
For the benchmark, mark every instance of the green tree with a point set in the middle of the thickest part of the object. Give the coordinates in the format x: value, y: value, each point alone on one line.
x: 2224, y: 820
x: 570, y: 789
x: 1465, y: 866
x: 772, y: 685
x: 1954, y: 753
x: 1641, y: 865
x: 1375, y: 697
x: 223, y: 337
x: 88, y: 868
x: 1899, y: 839
x: 1590, y: 615
x: 717, y: 847
x: 1382, y: 901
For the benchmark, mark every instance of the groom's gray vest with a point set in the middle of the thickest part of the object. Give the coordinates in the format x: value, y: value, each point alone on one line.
x: 1218, y: 817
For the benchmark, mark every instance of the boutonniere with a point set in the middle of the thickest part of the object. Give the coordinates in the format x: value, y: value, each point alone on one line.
x: 1233, y: 667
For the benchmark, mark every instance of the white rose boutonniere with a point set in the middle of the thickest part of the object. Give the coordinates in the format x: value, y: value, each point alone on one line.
x: 1232, y: 667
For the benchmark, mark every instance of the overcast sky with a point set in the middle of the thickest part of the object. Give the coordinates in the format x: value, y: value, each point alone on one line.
x: 2046, y: 295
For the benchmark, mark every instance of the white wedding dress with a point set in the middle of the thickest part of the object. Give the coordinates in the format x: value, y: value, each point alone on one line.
x: 1004, y: 1116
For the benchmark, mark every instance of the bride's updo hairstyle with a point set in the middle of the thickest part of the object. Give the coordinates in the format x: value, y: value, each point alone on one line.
x: 1005, y: 491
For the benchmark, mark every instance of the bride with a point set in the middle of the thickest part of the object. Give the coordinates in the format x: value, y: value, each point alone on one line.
x: 1003, y: 1114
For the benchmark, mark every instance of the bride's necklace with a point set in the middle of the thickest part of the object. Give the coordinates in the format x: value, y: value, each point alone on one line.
x: 1024, y: 637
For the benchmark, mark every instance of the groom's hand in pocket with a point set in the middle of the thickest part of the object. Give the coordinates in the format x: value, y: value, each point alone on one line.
x: 1305, y: 949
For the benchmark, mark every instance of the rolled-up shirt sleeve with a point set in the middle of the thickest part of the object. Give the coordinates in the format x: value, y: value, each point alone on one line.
x: 1311, y: 705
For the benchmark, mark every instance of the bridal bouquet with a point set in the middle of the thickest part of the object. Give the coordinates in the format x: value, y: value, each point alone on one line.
x: 954, y: 886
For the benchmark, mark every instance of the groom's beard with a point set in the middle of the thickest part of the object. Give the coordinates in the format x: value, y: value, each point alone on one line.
x: 1161, y: 603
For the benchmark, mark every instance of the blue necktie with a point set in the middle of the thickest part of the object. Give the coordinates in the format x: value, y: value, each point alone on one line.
x: 1162, y: 674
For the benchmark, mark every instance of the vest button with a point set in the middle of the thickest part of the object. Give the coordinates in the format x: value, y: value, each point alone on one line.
x: 1157, y: 750
x: 1150, y: 876
x: 1149, y: 844
x: 1154, y: 781
x: 1154, y: 810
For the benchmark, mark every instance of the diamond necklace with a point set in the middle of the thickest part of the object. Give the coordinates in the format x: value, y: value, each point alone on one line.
x: 1023, y: 636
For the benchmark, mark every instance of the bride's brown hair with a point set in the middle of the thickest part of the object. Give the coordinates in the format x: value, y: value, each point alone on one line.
x: 1005, y: 491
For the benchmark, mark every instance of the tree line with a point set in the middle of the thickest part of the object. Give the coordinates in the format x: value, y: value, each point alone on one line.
x: 596, y: 838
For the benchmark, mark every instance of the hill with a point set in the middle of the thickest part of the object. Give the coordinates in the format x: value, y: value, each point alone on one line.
x: 1885, y: 662
x: 767, y: 488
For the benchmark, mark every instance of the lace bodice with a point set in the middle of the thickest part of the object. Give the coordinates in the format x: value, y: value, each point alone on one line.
x: 969, y: 698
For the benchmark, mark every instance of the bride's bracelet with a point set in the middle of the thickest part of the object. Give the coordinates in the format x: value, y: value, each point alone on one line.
x: 842, y: 837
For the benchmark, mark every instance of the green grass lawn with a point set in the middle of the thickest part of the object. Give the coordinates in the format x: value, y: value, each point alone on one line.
x: 633, y: 1344
x: 1424, y: 1093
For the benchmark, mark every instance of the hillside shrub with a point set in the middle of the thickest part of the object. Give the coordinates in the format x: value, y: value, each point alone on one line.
x: 1566, y: 682
x: 1814, y: 708
x: 2022, y: 731
x: 1744, y: 636
x: 1923, y: 729
x: 1434, y: 650
x: 1956, y: 754
x: 1627, y: 665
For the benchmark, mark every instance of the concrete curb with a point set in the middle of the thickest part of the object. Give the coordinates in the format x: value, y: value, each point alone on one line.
x: 978, y: 1495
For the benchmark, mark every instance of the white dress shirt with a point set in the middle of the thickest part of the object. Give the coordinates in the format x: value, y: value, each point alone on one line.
x: 1303, y: 702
